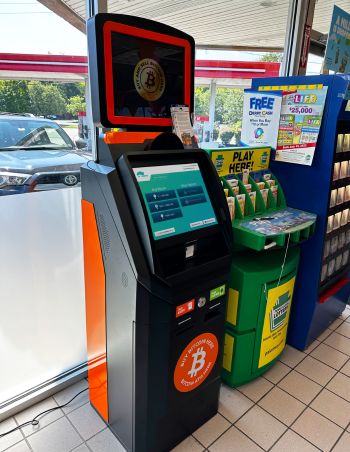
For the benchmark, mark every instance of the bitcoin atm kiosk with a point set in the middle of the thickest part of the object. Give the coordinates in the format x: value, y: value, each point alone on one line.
x: 157, y: 242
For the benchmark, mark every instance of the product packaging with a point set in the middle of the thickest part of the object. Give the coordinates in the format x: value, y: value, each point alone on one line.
x: 324, y: 272
x: 331, y: 266
x: 336, y: 222
x: 333, y: 198
x: 347, y: 193
x: 248, y: 187
x: 231, y: 206
x: 336, y: 170
x: 326, y: 249
x: 232, y: 182
x: 264, y: 194
x: 346, y: 142
x: 343, y: 169
x: 344, y: 217
x: 340, y: 142
x: 241, y: 201
x: 330, y: 223
x: 235, y: 190
x: 274, y: 191
x: 271, y: 182
x: 226, y: 192
x: 261, y: 185
x: 340, y: 195
x: 338, y: 262
x: 267, y: 176
x: 341, y: 241
x: 334, y: 245
x: 252, y: 196
x: 245, y: 176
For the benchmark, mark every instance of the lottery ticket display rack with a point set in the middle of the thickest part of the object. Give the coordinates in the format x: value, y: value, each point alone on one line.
x: 266, y: 235
x: 323, y: 283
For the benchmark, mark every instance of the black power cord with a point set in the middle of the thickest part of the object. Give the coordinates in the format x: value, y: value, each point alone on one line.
x: 35, y: 420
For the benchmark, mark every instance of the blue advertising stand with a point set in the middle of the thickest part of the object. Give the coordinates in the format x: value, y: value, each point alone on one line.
x: 319, y: 298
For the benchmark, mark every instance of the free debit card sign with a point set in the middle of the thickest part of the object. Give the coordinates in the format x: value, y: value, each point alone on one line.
x: 261, y: 114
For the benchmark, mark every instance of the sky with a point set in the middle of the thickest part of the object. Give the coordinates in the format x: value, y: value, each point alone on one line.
x: 26, y: 26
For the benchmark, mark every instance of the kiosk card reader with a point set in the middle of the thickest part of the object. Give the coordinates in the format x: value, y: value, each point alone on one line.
x: 157, y: 242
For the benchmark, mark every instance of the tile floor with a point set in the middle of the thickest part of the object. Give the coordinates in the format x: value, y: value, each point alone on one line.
x: 301, y: 405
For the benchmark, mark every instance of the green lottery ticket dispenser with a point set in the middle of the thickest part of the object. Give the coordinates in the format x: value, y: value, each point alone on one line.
x: 266, y: 234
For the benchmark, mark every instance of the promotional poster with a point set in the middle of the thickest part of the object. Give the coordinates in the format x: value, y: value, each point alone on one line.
x: 300, y: 123
x: 261, y: 112
x: 337, y: 57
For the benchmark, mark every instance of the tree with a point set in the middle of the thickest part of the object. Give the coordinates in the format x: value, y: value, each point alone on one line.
x: 69, y: 90
x: 14, y: 96
x: 76, y: 104
x: 229, y: 105
x: 273, y: 57
x: 201, y: 101
x: 46, y: 99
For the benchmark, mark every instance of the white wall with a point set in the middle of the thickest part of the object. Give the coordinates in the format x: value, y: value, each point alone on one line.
x: 42, y: 312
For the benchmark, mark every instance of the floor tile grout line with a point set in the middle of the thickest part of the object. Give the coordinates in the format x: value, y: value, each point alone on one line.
x: 41, y: 428
x: 71, y: 423
x: 85, y: 444
x: 205, y: 448
x: 255, y: 403
x: 345, y: 430
x: 106, y: 428
x: 324, y: 362
x: 226, y: 430
x: 45, y: 426
x: 309, y: 406
x: 17, y: 442
x: 306, y: 405
x: 233, y: 425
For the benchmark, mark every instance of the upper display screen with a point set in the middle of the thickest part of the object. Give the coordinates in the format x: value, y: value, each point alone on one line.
x: 149, y: 76
x: 176, y: 199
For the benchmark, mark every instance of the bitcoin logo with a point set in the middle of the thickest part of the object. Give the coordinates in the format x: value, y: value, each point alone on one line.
x: 149, y: 79
x: 196, y: 362
x: 198, y: 358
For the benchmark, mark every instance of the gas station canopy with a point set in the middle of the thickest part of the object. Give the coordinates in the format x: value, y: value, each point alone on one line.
x: 231, y: 24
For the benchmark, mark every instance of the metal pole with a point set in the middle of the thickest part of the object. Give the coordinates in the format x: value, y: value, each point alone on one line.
x: 212, y: 108
x: 298, y: 37
x: 92, y: 7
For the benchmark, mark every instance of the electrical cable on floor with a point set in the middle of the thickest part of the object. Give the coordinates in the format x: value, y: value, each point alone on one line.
x: 282, y: 268
x: 35, y: 420
x: 284, y: 261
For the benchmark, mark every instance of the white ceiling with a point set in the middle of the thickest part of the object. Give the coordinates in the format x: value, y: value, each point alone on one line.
x: 231, y: 23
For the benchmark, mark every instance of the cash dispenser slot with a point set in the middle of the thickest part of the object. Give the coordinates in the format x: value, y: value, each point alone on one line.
x: 173, y: 260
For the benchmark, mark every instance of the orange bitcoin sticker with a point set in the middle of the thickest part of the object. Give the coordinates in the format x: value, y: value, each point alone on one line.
x: 196, y: 362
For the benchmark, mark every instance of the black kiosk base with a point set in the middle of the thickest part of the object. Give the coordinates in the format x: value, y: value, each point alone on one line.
x: 157, y: 253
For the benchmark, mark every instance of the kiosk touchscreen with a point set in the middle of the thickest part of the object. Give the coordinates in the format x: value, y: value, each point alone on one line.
x: 176, y: 199
x: 157, y: 243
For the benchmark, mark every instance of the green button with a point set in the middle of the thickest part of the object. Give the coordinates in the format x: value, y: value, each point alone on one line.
x: 217, y: 292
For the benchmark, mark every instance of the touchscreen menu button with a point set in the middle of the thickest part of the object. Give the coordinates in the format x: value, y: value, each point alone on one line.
x: 160, y: 195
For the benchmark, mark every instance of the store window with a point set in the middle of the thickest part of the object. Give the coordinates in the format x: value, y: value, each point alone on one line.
x: 42, y: 332
x: 231, y: 72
